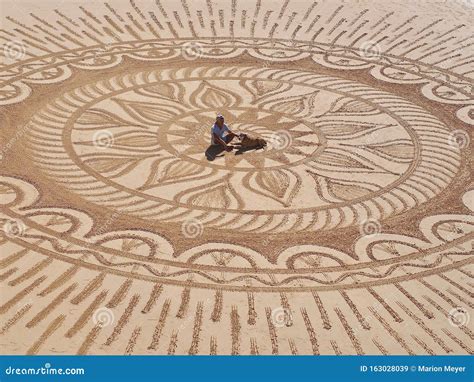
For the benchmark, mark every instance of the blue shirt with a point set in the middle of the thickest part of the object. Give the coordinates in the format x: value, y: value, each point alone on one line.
x: 220, y: 132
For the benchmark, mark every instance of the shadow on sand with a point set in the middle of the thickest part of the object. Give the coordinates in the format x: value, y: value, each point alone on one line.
x: 214, y: 151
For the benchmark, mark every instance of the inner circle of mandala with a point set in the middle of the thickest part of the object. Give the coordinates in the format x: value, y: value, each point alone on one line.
x: 200, y: 136
x: 410, y: 133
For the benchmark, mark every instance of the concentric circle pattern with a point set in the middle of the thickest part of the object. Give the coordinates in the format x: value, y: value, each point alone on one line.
x: 126, y: 231
x: 352, y: 151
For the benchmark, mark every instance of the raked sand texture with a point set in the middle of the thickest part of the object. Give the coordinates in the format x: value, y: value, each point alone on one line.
x: 352, y: 232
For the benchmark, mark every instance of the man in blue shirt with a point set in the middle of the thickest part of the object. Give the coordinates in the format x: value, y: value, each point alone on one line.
x: 221, y: 135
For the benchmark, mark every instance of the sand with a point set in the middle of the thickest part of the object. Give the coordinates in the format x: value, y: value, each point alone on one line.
x: 352, y: 232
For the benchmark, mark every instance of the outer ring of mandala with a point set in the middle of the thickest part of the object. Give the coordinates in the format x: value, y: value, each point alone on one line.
x: 16, y: 89
x: 425, y: 260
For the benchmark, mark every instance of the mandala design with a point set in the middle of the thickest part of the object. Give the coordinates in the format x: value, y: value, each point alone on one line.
x: 351, y: 232
x: 352, y: 152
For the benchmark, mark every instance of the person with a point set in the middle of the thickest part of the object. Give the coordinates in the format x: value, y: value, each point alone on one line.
x: 221, y: 135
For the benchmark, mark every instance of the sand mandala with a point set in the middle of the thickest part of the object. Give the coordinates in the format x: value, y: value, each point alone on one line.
x: 126, y: 232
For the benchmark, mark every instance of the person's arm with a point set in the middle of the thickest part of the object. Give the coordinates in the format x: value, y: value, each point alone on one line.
x: 221, y: 142
x: 232, y: 133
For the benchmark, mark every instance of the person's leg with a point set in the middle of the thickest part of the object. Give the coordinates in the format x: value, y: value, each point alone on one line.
x: 213, y: 151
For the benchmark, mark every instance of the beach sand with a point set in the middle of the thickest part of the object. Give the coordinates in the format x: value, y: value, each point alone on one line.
x: 352, y: 232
